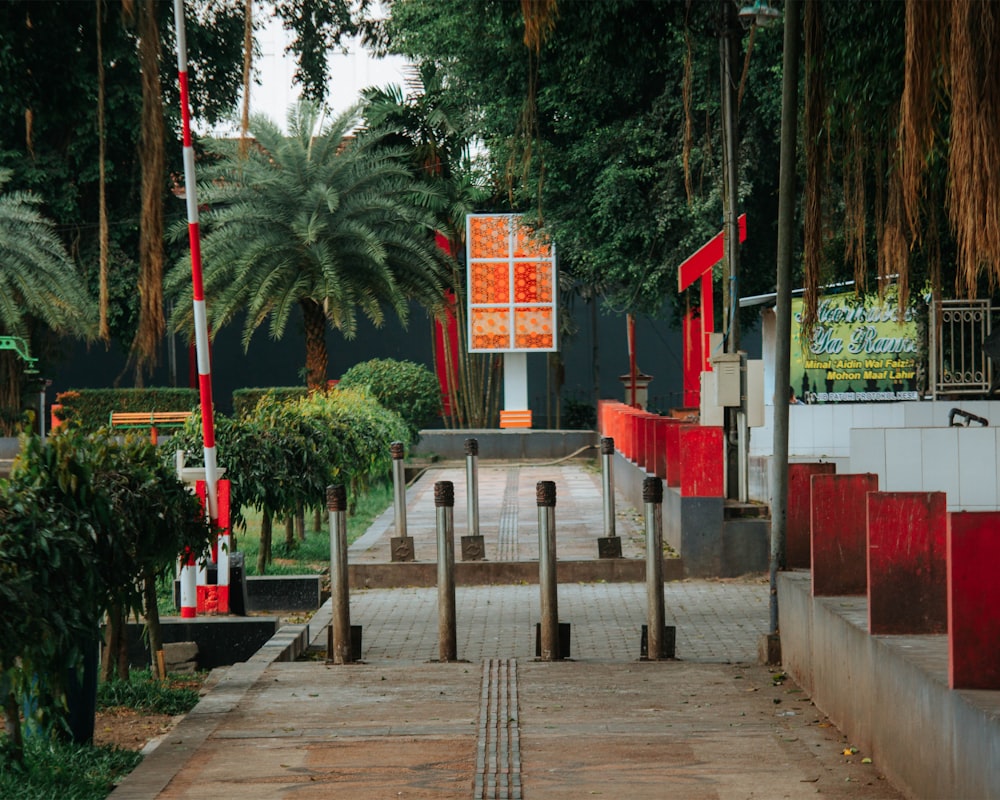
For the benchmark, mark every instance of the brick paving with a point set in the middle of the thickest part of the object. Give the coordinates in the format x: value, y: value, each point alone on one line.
x: 499, y: 724
x: 716, y: 621
x: 508, y: 516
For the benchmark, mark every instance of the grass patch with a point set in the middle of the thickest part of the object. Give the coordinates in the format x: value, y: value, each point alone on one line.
x: 312, y: 555
x: 66, y: 771
x: 141, y: 692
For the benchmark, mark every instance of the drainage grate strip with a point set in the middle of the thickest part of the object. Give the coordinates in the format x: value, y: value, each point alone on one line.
x: 498, y: 749
x: 507, y: 547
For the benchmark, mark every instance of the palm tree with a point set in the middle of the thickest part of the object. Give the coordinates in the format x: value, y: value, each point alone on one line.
x: 38, y: 283
x: 438, y: 138
x: 319, y: 219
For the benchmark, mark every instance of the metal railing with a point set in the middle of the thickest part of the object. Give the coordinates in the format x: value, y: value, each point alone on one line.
x: 959, y: 364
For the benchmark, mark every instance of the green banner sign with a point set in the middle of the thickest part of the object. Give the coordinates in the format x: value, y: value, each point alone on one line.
x: 858, y: 352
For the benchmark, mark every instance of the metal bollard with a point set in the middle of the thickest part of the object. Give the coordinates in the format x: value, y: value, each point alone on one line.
x: 657, y: 637
x: 608, y: 546
x: 545, y: 495
x: 472, y: 483
x: 401, y: 545
x: 444, y: 502
x: 473, y: 546
x: 336, y: 503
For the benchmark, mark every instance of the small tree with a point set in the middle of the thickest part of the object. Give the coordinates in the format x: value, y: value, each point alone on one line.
x: 281, y: 455
x: 82, y: 522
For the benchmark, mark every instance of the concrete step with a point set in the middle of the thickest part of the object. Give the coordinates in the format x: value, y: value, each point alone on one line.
x: 483, y: 573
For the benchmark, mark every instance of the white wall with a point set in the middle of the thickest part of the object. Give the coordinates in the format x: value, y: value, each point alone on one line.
x: 909, y: 445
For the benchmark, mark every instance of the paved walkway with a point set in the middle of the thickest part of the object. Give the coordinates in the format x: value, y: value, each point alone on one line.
x: 508, y: 514
x: 499, y: 724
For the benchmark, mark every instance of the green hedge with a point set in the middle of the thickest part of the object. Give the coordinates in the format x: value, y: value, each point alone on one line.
x: 92, y: 407
x: 246, y: 400
x: 410, y: 390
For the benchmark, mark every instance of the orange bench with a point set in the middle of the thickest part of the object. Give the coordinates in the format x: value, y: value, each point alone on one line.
x: 148, y: 419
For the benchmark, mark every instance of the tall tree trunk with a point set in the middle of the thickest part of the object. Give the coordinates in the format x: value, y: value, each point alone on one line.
x: 300, y: 522
x: 152, y: 619
x: 114, y: 633
x: 314, y: 320
x: 596, y: 352
x: 104, y: 330
x: 289, y: 533
x: 247, y: 69
x: 153, y: 161
x: 122, y: 665
x: 317, y: 520
x: 264, y: 553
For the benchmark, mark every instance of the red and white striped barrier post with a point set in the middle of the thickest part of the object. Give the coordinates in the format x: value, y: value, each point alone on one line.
x: 189, y: 591
x: 200, y: 317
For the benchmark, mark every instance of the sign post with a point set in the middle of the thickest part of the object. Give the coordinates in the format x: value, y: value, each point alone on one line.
x: 512, y: 302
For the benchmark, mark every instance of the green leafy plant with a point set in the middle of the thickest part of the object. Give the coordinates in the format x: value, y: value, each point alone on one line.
x: 86, y: 525
x: 245, y: 400
x: 281, y: 456
x: 64, y: 770
x: 578, y: 415
x: 409, y: 389
x: 143, y: 692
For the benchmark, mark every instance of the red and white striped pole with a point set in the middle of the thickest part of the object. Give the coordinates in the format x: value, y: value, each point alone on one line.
x: 200, y: 317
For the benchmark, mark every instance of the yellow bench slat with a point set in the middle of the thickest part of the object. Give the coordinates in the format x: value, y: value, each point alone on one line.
x: 148, y: 419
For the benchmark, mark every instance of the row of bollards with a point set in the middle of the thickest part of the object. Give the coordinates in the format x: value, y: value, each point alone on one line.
x: 552, y: 637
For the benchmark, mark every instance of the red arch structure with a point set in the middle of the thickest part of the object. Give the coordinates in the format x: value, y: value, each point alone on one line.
x: 700, y: 322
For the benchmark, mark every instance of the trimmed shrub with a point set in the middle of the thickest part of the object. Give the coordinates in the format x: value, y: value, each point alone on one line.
x: 91, y: 408
x: 411, y: 390
x: 578, y: 415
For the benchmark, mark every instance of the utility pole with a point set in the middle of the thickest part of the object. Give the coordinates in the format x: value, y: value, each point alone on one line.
x: 783, y: 315
x: 729, y: 41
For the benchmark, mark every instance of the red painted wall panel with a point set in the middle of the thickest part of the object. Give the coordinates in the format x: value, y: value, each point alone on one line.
x: 973, y: 547
x: 672, y: 454
x: 701, y: 461
x: 907, y: 576
x: 649, y: 462
x: 665, y: 428
x: 797, y: 521
x: 839, y: 517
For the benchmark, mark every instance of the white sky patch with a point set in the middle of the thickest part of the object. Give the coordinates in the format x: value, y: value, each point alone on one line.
x: 348, y: 74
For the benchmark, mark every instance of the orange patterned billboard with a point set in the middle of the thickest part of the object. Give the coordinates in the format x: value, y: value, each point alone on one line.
x: 512, y: 286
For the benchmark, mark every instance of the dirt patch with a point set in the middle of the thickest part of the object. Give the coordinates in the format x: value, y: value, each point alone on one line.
x: 133, y: 729
x: 128, y: 729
